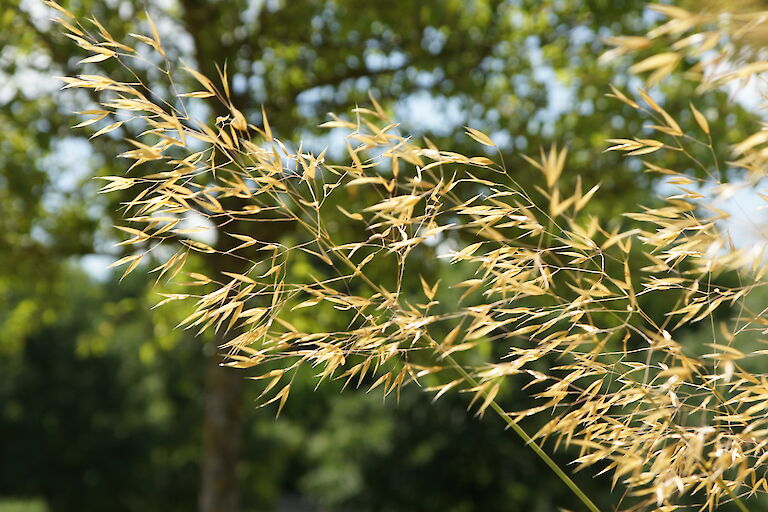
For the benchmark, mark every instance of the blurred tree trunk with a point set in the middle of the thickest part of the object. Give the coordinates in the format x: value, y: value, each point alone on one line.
x: 219, y: 489
x: 223, y: 409
x: 223, y: 390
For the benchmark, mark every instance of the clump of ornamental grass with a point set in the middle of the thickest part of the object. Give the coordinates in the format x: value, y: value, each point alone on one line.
x: 550, y: 298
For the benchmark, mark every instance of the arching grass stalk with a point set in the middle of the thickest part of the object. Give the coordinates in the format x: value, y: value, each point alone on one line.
x: 504, y: 416
x: 736, y: 500
x: 529, y: 441
x: 573, y: 486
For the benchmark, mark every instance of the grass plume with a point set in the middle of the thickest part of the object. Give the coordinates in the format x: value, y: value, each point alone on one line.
x: 547, y: 295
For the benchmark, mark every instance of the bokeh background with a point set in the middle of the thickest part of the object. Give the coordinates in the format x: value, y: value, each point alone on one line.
x: 104, y: 405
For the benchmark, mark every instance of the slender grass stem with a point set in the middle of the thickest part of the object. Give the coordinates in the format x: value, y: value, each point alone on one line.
x: 530, y: 442
x: 736, y: 500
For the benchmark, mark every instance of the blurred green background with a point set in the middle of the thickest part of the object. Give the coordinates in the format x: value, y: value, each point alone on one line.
x: 105, y: 406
